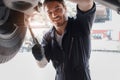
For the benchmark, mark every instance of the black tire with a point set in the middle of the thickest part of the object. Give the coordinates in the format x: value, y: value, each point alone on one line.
x: 12, y: 34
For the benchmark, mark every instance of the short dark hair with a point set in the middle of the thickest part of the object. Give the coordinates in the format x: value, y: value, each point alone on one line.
x: 60, y: 1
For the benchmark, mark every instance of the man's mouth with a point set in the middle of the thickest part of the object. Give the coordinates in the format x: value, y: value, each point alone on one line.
x: 56, y: 19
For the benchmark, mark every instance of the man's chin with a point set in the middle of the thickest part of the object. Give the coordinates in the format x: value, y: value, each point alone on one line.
x: 58, y: 25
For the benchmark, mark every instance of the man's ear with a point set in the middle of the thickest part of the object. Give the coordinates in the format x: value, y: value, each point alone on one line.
x: 65, y: 9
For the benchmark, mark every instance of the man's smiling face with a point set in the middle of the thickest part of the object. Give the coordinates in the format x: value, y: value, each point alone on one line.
x: 56, y: 13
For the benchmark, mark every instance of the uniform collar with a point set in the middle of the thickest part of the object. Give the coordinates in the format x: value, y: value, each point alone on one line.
x: 53, y: 29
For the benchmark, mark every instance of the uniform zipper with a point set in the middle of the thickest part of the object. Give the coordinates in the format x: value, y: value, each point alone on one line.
x: 70, y: 50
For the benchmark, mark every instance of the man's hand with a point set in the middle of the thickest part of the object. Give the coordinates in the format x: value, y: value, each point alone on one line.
x: 84, y: 5
x: 37, y: 52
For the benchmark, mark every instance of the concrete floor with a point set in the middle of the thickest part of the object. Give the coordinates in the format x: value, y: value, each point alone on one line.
x: 103, y: 66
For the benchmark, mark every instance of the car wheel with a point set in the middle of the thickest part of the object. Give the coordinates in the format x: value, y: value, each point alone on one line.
x: 12, y: 33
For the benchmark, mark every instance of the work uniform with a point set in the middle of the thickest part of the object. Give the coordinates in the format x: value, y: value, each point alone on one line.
x: 71, y: 57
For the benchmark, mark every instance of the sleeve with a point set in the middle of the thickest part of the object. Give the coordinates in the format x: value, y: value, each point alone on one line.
x: 45, y: 43
x: 84, y: 20
x: 46, y: 51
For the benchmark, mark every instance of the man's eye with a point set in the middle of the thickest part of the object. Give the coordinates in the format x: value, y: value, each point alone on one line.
x: 58, y: 9
x: 49, y: 13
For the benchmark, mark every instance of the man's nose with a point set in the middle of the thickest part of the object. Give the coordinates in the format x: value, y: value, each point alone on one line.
x: 54, y: 14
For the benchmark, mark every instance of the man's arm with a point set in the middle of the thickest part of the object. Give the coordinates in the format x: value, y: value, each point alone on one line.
x: 85, y: 16
x: 84, y: 5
